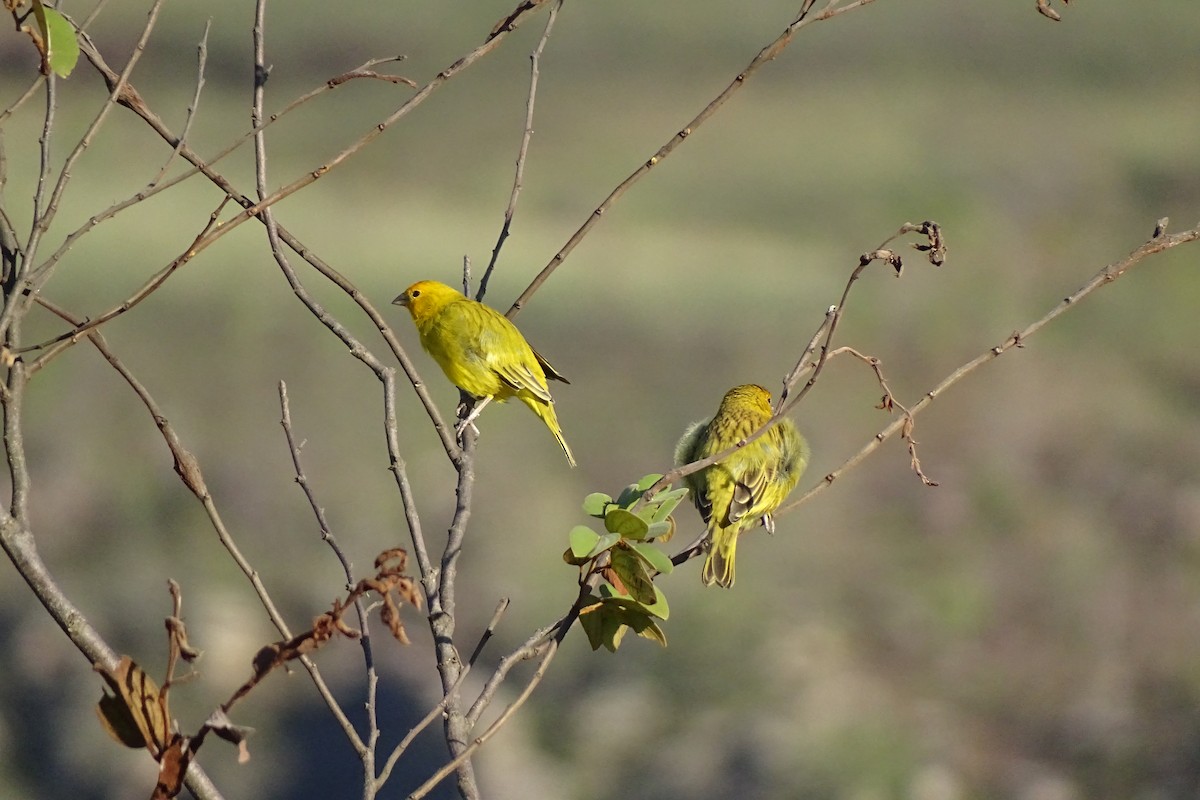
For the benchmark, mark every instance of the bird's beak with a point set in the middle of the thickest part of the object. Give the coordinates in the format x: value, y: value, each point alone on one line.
x: 401, y: 300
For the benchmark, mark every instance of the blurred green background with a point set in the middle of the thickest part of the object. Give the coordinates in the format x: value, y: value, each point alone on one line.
x: 1028, y: 629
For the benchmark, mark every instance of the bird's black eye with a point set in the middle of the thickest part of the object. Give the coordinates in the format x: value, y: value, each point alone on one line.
x: 415, y: 293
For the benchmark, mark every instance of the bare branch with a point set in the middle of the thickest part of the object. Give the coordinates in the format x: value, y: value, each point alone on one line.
x: 440, y: 708
x: 768, y: 53
x: 479, y: 741
x: 522, y: 151
x: 1159, y: 243
x: 936, y: 250
x: 360, y: 610
x: 58, y: 344
x: 43, y: 218
x: 201, y: 61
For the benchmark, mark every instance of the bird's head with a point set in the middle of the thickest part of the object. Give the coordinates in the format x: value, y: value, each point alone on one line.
x: 749, y: 397
x: 425, y: 298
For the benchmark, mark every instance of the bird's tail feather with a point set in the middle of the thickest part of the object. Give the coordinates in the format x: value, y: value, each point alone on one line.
x: 546, y: 412
x: 718, y: 565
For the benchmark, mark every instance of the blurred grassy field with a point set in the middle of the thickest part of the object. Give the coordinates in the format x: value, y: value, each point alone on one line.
x: 1028, y: 629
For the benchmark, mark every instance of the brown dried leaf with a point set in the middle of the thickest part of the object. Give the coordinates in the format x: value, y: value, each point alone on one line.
x: 890, y: 256
x: 267, y: 659
x: 609, y: 574
x: 397, y: 554
x: 177, y: 630
x: 220, y: 724
x: 390, y: 614
x: 171, y: 769
x: 936, y: 245
x: 137, y: 715
x: 1043, y: 7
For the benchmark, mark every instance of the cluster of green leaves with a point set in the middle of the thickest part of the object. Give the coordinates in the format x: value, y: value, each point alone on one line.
x: 620, y: 564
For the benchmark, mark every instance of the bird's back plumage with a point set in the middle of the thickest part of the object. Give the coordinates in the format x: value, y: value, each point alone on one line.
x: 745, y: 487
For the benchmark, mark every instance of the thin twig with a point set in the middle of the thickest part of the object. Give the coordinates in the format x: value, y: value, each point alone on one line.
x: 42, y: 218
x: 260, y: 163
x: 443, y: 621
x: 327, y: 536
x: 1111, y: 272
x: 768, y: 53
x: 55, y: 346
x: 462, y: 757
x: 440, y: 708
x: 888, y: 403
x: 201, y: 62
x: 189, y: 471
x: 522, y: 151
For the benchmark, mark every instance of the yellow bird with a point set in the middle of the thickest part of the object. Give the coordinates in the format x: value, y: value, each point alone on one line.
x: 737, y: 492
x: 482, y: 352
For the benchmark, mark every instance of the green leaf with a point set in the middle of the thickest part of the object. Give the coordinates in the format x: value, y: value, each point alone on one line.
x: 582, y: 539
x: 614, y: 630
x: 604, y: 625
x: 62, y: 48
x: 574, y: 560
x: 591, y: 619
x: 606, y: 621
x: 657, y: 559
x: 629, y: 496
x: 666, y: 502
x: 665, y: 530
x: 595, y: 504
x: 658, y: 608
x: 631, y: 569
x: 652, y: 631
x: 626, y: 523
x: 641, y: 624
x: 648, y: 481
x: 603, y: 543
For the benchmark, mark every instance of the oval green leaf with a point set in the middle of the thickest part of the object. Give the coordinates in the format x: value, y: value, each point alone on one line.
x: 631, y: 569
x: 626, y: 523
x: 582, y: 539
x: 62, y: 49
x: 648, y: 481
x: 604, y: 543
x: 664, y: 529
x: 666, y: 502
x: 595, y: 504
x: 655, y: 558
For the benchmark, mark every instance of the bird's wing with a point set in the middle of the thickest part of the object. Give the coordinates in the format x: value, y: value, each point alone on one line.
x: 550, y: 371
x: 518, y: 375
x: 505, y: 351
x: 748, y: 491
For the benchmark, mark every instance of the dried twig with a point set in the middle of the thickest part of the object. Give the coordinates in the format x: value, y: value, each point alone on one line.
x: 768, y: 53
x: 1159, y: 242
x: 522, y: 151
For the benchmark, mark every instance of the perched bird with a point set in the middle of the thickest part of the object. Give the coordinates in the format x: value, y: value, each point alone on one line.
x: 737, y: 492
x: 482, y: 352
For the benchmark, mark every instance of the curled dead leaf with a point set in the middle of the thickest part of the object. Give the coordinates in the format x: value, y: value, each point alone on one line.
x: 137, y: 714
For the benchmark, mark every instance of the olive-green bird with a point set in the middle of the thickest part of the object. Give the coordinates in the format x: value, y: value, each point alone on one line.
x: 482, y: 352
x: 738, y: 492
